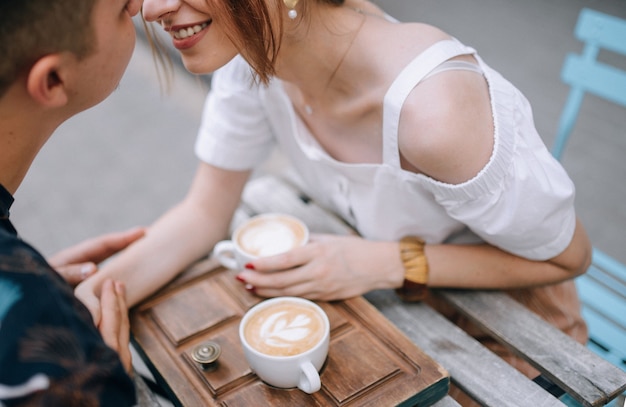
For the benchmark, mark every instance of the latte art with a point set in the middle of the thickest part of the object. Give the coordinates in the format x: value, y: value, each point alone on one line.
x: 284, y: 329
x: 280, y: 331
x: 271, y: 235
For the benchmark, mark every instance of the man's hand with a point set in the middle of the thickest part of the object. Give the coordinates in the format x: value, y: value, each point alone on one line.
x: 114, y: 326
x: 80, y: 261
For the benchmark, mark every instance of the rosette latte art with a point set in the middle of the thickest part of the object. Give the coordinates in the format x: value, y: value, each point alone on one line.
x: 284, y: 329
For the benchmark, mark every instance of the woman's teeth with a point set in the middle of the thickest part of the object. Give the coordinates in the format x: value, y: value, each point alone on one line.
x: 189, y: 31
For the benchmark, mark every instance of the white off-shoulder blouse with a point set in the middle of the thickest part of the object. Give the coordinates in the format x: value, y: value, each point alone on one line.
x: 522, y: 201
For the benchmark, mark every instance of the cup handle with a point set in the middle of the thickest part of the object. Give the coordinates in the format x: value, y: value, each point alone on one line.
x: 225, y: 253
x: 309, y: 378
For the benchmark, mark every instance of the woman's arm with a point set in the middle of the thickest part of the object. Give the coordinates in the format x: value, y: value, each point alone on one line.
x: 181, y: 236
x: 339, y: 267
x: 80, y: 261
x: 488, y: 267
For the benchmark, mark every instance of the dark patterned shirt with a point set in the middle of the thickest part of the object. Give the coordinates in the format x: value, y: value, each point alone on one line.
x: 51, y: 354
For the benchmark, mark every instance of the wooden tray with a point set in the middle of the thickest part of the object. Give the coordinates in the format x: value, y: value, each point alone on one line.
x: 370, y: 362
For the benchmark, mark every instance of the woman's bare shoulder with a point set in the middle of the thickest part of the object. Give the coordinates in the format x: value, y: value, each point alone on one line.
x: 446, y: 127
x: 392, y: 46
x: 417, y: 34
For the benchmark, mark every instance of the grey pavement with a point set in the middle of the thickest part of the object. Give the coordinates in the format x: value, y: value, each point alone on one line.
x: 127, y: 160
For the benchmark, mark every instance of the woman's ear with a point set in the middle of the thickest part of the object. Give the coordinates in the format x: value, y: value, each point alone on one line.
x: 45, y: 81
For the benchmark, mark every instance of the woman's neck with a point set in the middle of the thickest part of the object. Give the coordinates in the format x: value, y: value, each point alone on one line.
x: 315, y: 54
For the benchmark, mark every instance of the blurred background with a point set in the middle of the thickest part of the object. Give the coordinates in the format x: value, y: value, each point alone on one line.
x: 127, y: 160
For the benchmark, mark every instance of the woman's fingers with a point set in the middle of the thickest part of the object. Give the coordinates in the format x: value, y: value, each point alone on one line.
x: 74, y: 274
x: 96, y: 249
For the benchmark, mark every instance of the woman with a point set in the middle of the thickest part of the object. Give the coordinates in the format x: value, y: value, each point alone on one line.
x: 399, y: 128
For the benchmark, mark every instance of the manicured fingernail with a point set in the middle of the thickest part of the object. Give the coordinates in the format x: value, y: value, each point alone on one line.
x: 249, y: 266
x: 250, y: 288
x: 87, y: 270
x: 240, y: 279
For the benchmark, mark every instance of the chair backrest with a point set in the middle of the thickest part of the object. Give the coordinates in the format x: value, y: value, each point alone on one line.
x: 584, y: 73
x: 603, y: 295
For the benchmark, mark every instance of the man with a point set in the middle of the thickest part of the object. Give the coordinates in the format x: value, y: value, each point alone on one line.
x: 58, y: 58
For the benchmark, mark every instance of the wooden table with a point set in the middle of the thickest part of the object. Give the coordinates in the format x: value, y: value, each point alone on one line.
x: 483, y: 375
x: 370, y: 362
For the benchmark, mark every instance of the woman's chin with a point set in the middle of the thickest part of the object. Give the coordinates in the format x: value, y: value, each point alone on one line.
x: 201, y: 66
x: 195, y: 68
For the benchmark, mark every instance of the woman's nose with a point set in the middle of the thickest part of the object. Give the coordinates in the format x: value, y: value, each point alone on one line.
x: 154, y: 10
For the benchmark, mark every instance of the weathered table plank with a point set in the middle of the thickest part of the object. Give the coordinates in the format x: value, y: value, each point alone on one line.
x: 583, y: 374
x: 446, y: 402
x: 145, y: 397
x: 271, y: 194
x: 475, y: 369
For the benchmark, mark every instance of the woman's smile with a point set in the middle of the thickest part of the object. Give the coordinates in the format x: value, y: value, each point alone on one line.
x: 181, y: 34
x: 186, y: 36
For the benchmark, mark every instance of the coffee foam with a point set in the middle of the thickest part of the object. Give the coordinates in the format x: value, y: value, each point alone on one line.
x: 267, y: 237
x: 284, y: 329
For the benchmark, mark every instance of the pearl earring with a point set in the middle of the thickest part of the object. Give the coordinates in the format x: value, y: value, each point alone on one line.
x: 291, y: 5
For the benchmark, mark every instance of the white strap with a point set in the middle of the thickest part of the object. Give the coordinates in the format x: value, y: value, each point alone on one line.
x: 455, y: 66
x: 402, y: 86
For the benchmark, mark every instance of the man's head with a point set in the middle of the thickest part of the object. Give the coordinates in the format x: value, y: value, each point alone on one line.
x: 57, y: 58
x: 31, y: 29
x: 79, y: 41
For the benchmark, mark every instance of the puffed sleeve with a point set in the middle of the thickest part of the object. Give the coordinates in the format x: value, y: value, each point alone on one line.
x: 522, y: 201
x: 234, y: 132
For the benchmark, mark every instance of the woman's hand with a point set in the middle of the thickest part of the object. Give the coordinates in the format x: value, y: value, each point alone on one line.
x: 114, y: 325
x: 328, y: 268
x: 80, y: 261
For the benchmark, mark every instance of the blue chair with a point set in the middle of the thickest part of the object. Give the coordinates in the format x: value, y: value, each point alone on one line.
x: 584, y: 73
x: 603, y: 288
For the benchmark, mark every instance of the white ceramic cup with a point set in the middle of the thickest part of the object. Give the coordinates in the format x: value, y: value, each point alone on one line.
x: 285, y: 341
x: 261, y: 236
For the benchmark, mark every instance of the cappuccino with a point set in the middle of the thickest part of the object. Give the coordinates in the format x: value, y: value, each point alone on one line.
x: 284, y: 328
x: 285, y: 341
x: 268, y: 235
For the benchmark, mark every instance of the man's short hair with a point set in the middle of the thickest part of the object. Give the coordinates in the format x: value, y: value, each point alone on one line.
x: 31, y: 29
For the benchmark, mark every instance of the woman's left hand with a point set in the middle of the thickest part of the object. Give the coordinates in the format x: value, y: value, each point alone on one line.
x: 80, y: 261
x: 328, y: 268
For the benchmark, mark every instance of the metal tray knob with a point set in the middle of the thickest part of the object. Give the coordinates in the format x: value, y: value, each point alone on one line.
x: 206, y: 355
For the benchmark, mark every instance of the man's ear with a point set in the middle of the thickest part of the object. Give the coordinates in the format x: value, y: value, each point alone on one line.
x: 45, y: 82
